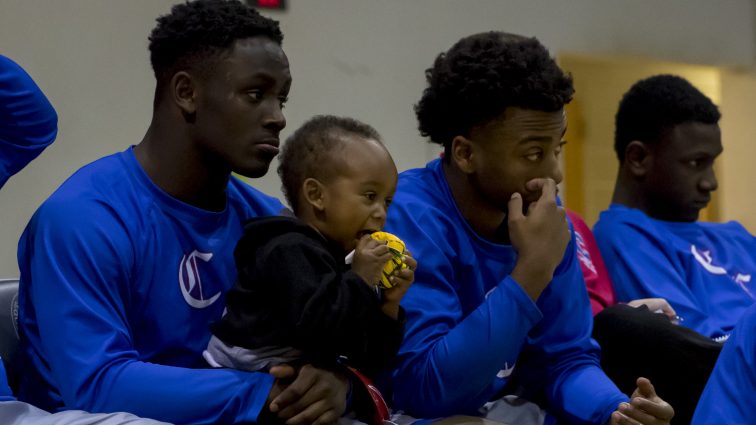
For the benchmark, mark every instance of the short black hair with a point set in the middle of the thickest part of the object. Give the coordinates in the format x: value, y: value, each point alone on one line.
x: 308, y: 151
x: 195, y: 33
x: 656, y: 104
x: 483, y: 74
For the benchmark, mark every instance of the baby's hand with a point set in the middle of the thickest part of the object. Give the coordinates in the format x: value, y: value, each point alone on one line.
x: 370, y: 256
x: 401, y: 280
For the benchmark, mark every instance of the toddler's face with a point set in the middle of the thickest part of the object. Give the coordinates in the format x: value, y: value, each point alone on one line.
x: 358, y: 196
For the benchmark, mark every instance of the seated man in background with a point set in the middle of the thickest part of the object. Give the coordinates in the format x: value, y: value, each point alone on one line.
x: 499, y: 297
x: 667, y: 138
x: 728, y: 397
x: 642, y: 337
x: 125, y: 266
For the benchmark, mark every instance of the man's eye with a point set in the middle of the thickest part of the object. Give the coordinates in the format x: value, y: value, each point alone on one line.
x: 534, y: 157
x: 282, y: 101
x: 255, y: 94
x: 370, y: 196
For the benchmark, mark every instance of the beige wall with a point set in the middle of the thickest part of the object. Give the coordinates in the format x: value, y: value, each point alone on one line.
x: 363, y: 58
x: 736, y: 171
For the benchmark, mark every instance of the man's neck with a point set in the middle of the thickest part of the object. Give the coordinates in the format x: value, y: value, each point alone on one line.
x: 627, y: 193
x: 488, y: 222
x: 172, y: 163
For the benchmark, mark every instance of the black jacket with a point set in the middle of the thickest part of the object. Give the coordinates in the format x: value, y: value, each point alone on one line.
x: 294, y: 289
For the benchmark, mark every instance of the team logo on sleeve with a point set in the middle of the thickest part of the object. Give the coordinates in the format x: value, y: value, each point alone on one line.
x: 504, y: 373
x: 583, y: 254
x: 190, y: 281
x: 704, y: 259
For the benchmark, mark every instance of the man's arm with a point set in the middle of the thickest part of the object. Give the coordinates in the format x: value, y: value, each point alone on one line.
x: 77, y: 267
x: 560, y: 355
x: 28, y: 122
x: 448, y: 363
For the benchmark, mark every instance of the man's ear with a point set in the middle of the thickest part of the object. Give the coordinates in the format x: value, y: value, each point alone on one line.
x: 313, y: 193
x: 184, y: 93
x: 462, y: 154
x: 638, y: 158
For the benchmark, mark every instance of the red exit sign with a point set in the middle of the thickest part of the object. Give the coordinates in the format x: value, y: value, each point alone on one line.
x: 268, y: 4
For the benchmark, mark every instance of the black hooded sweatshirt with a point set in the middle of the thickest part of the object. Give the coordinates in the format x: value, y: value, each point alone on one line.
x: 294, y: 289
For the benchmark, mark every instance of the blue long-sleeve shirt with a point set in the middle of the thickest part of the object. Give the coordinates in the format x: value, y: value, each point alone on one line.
x: 469, y: 324
x: 119, y: 283
x: 5, y: 392
x: 728, y: 396
x: 704, y: 270
x: 28, y: 122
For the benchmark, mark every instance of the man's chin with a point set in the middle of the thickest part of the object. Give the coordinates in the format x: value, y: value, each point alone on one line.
x: 681, y: 217
x: 253, y: 172
x: 693, y: 217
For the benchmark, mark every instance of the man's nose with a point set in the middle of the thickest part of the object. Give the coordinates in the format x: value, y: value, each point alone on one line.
x: 709, y: 181
x: 554, y: 170
x: 275, y: 118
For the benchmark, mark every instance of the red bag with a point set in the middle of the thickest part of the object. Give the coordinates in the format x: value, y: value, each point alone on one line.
x: 376, y: 412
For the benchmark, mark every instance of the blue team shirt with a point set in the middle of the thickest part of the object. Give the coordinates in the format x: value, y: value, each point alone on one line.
x: 5, y: 392
x: 28, y: 122
x: 119, y: 283
x: 704, y: 270
x: 728, y: 396
x: 469, y: 324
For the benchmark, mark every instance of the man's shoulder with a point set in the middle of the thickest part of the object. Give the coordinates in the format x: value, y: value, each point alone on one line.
x: 419, y: 179
x: 90, y: 208
x: 617, y: 220
x: 728, y: 229
x: 421, y: 191
x: 245, y: 196
x: 96, y: 184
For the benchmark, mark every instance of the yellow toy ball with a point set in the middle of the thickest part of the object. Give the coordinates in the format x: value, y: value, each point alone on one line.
x: 398, y: 249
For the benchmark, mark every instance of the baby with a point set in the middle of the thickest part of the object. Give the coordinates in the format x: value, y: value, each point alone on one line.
x: 296, y: 299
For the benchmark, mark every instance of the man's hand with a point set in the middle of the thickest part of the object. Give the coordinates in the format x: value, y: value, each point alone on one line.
x: 645, y: 408
x: 656, y: 305
x: 540, y: 237
x: 370, y: 256
x: 315, y: 396
x: 401, y: 279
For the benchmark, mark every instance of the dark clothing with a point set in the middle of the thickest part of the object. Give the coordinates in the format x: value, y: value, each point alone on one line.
x: 294, y: 289
x: 636, y: 342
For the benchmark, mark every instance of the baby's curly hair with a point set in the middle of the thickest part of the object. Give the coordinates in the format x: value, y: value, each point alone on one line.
x: 309, y: 152
x: 194, y: 33
x: 483, y: 74
x: 656, y: 104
